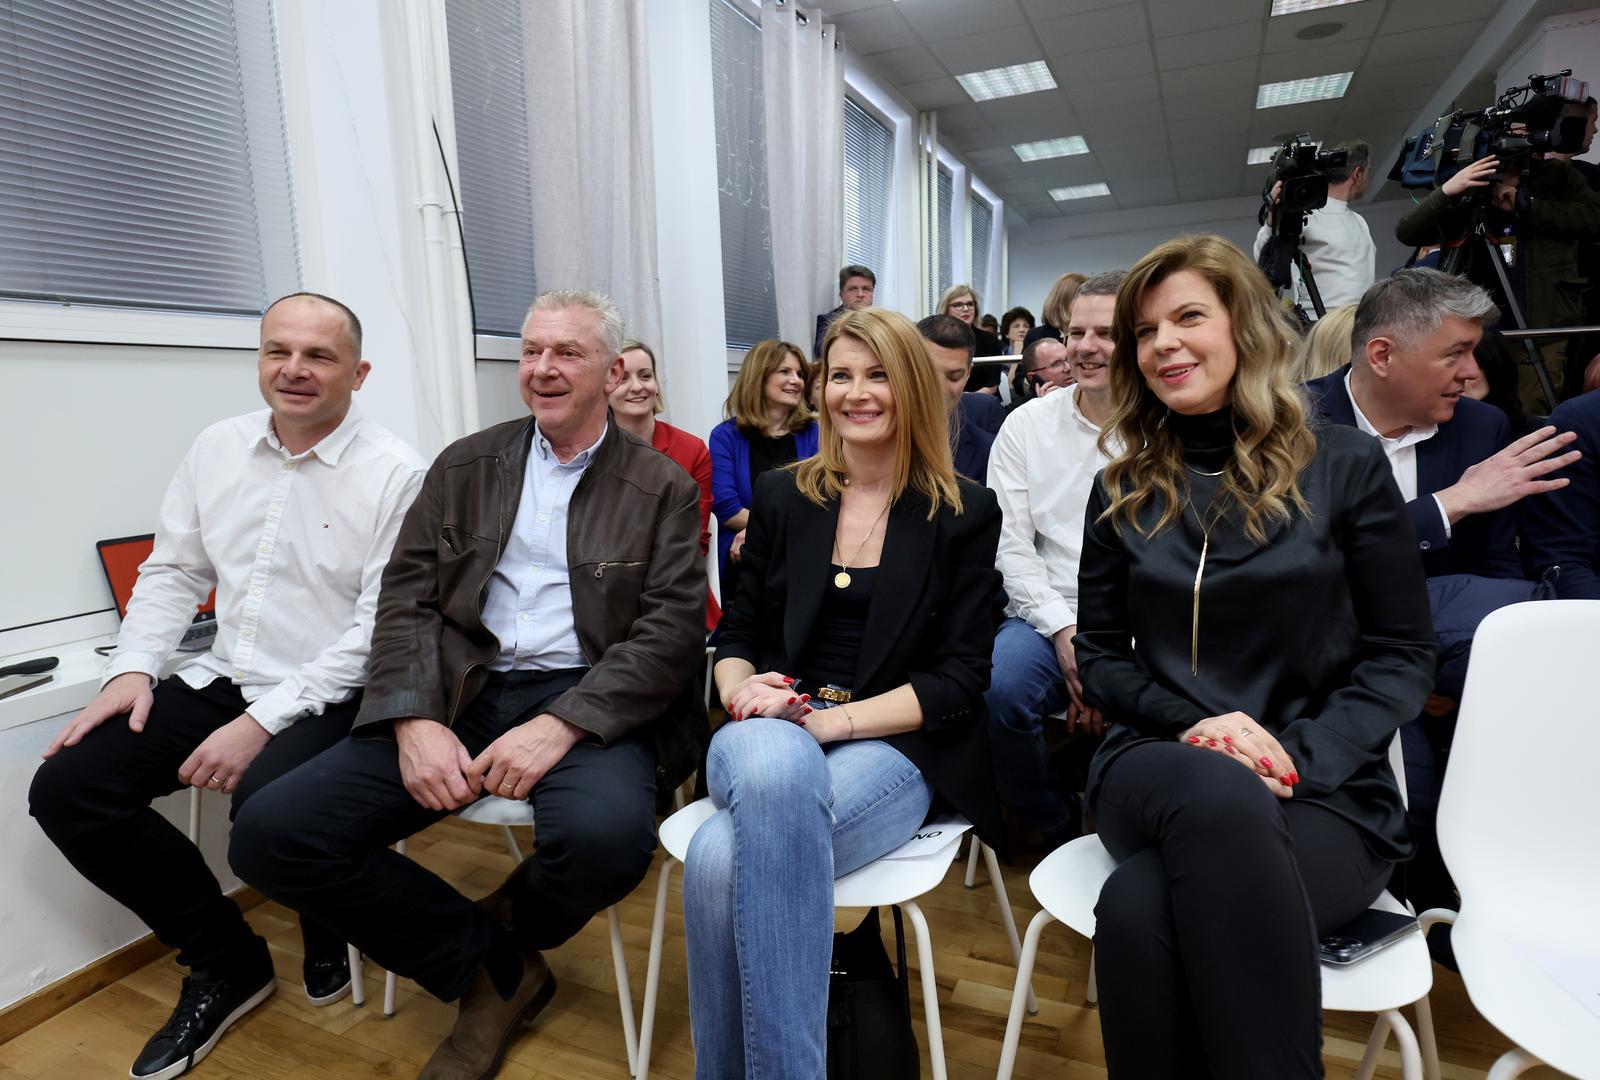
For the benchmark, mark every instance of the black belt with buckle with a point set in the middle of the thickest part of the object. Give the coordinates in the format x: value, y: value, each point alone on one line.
x: 831, y: 693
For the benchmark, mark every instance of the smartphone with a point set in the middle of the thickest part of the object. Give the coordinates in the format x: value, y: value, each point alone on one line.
x: 1364, y: 935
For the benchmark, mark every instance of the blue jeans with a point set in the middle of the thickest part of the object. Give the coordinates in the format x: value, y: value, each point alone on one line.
x: 758, y: 887
x: 1025, y: 686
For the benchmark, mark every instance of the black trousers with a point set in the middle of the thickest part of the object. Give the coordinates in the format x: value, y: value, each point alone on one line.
x: 1206, y: 933
x: 318, y: 841
x: 93, y: 802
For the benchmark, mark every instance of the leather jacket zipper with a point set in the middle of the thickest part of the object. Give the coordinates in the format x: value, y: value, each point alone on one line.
x: 600, y: 568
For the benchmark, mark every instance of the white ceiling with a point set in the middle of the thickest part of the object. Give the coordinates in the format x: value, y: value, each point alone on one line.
x: 1163, y: 90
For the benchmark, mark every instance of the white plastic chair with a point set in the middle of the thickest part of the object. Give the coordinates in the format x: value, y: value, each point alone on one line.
x: 1067, y: 884
x: 1515, y: 828
x: 506, y: 813
x: 878, y: 884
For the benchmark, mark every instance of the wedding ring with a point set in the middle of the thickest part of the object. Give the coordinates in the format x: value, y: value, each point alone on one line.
x: 506, y: 785
x: 214, y: 782
x: 1244, y: 731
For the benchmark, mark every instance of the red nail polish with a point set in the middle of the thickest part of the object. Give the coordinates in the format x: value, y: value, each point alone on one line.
x: 791, y: 701
x: 809, y: 710
x: 1266, y: 763
x: 1231, y: 750
x: 1227, y: 738
x: 1195, y: 739
x: 1211, y: 742
x: 787, y: 679
x: 805, y: 697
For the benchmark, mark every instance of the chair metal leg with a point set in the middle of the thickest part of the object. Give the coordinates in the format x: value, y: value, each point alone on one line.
x: 630, y: 1035
x: 930, y: 989
x: 512, y: 846
x: 1030, y: 952
x: 972, y: 861
x: 1410, y: 1053
x: 194, y: 816
x: 389, y: 979
x: 993, y: 866
x: 1091, y: 993
x: 677, y: 798
x: 1513, y: 1062
x: 652, y: 974
x: 358, y: 988
x: 1430, y: 1044
x: 1375, y: 1044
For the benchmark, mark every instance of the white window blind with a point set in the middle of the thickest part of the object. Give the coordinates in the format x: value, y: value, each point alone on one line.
x: 982, y: 228
x: 491, y: 113
x: 868, y: 177
x: 749, y: 297
x: 142, y: 155
x: 945, y: 204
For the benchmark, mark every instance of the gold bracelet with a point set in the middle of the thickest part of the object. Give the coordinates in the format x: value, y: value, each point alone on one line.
x: 850, y: 720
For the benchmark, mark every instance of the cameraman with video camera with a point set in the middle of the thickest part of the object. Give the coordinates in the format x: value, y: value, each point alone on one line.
x: 1533, y: 208
x: 1335, y: 239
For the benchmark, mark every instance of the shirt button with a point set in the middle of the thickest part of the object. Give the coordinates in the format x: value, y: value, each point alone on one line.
x: 257, y: 591
x: 544, y: 517
x: 1426, y: 545
x: 239, y: 674
x: 275, y: 507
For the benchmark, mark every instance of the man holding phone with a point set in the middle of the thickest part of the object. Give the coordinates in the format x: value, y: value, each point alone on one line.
x: 1041, y: 468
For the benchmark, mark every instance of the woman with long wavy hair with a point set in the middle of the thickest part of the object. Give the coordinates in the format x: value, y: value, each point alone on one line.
x: 1254, y: 627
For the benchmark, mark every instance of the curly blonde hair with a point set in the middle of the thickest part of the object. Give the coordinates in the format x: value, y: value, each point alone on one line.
x: 1272, y: 443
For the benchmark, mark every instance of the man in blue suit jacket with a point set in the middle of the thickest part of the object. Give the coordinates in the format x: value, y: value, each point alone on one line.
x: 974, y: 418
x: 1563, y: 528
x: 1412, y: 360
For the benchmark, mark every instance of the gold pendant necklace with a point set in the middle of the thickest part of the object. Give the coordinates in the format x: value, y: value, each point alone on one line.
x: 1199, y: 574
x: 841, y: 580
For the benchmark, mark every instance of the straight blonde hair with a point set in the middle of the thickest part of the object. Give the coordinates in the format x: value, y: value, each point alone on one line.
x: 1057, y: 308
x: 956, y: 292
x: 1328, y: 347
x: 1272, y: 443
x: 922, y: 460
x: 629, y: 346
x: 746, y: 405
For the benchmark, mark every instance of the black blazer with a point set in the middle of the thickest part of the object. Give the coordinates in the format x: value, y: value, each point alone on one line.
x: 1562, y: 528
x: 931, y: 623
x: 1483, y: 544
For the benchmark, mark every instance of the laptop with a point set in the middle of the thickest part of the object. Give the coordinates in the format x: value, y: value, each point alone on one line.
x: 121, y: 559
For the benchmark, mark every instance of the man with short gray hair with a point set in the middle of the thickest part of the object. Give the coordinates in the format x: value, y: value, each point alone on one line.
x: 1411, y: 362
x: 537, y: 630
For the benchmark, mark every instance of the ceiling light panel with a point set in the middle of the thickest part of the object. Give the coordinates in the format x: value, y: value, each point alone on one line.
x: 1051, y: 148
x: 1007, y: 81
x: 1295, y: 7
x: 1299, y: 91
x: 1079, y: 191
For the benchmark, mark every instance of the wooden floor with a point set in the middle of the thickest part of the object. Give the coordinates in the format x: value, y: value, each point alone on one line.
x: 579, y: 1034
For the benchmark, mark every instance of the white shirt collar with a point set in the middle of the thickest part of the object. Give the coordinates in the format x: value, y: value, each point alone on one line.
x: 1410, y: 437
x: 328, y: 449
x: 547, y: 453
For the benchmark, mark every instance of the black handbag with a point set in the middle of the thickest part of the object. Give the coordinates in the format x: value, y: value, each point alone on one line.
x: 869, y: 1007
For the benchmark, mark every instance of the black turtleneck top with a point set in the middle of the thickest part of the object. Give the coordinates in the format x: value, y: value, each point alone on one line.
x: 1322, y: 634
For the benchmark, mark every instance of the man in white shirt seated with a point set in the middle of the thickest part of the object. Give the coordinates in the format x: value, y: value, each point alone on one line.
x: 1042, y: 467
x: 540, y: 628
x: 1336, y: 240
x: 290, y: 513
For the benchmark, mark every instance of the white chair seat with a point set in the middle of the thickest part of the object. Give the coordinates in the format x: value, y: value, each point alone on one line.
x: 1514, y: 992
x: 887, y: 881
x: 494, y: 810
x: 1067, y: 884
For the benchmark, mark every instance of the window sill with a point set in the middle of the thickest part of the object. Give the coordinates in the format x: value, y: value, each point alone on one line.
x: 27, y: 320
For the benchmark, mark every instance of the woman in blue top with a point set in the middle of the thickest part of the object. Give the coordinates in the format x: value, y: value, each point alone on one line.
x: 768, y: 425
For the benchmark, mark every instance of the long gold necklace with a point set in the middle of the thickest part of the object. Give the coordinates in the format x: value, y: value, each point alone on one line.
x: 841, y: 580
x: 1200, y: 571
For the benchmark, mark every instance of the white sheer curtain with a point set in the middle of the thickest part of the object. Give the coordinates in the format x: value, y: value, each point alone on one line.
x: 803, y: 83
x: 590, y: 153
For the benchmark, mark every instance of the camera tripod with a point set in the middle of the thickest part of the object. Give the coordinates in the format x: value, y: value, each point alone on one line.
x: 1454, y: 261
x: 1282, y: 251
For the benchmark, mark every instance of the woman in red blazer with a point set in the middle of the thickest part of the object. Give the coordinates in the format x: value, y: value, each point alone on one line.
x: 635, y: 405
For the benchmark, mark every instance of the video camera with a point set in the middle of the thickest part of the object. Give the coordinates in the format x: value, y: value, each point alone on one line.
x: 1302, y: 168
x: 1300, y: 172
x: 1550, y: 108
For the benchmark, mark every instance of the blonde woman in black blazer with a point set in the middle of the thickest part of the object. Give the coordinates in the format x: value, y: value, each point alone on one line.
x: 852, y: 665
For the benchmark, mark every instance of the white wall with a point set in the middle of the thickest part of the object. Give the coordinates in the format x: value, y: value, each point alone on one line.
x: 1562, y: 41
x: 1092, y: 243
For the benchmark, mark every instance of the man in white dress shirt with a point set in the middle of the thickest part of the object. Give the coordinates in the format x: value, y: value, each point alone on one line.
x: 1042, y: 468
x: 1336, y: 240
x: 290, y: 512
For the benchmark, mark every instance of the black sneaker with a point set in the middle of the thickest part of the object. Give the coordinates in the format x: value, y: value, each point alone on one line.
x: 207, y: 1006
x: 327, y: 978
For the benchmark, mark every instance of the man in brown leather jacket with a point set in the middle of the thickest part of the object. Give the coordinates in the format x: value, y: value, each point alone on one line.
x: 539, y: 625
